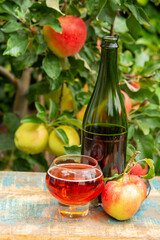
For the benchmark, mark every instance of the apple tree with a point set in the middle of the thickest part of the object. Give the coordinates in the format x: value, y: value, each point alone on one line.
x: 39, y: 85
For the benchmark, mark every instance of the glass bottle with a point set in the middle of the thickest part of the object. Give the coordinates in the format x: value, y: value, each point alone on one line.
x: 104, y: 131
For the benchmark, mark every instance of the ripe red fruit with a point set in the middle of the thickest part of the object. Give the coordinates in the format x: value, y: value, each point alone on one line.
x: 72, y: 38
x: 137, y: 181
x: 121, y: 199
x: 138, y: 170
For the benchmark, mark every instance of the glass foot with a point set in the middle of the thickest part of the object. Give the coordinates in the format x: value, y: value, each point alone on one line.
x: 73, y: 211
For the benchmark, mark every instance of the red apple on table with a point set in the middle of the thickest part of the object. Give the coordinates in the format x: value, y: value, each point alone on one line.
x: 72, y: 38
x: 121, y: 199
x: 138, y: 170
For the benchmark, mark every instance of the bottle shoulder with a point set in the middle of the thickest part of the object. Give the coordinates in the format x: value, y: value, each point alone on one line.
x: 107, y: 108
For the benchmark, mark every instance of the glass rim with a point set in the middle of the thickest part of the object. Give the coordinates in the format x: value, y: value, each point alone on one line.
x: 74, y: 155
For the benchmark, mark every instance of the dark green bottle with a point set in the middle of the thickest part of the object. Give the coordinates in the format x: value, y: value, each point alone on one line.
x: 104, y: 134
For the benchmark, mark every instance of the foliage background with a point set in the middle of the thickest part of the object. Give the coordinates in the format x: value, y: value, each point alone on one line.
x: 29, y: 70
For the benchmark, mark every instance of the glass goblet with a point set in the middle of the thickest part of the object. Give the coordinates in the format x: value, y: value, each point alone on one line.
x: 74, y: 180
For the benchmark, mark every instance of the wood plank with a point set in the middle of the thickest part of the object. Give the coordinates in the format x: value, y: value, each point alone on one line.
x: 28, y: 211
x: 24, y: 237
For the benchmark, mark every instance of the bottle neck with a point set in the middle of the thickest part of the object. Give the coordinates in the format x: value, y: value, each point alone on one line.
x: 108, y: 72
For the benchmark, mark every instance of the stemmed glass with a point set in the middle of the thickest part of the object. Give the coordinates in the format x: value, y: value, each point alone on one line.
x: 74, y: 180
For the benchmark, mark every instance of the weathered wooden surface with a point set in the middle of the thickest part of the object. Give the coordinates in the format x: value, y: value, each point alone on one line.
x: 29, y: 212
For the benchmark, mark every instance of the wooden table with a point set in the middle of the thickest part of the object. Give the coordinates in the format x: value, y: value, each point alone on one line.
x: 28, y: 211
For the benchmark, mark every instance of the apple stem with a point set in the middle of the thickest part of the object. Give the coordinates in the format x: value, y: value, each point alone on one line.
x: 65, y: 6
x: 130, y: 165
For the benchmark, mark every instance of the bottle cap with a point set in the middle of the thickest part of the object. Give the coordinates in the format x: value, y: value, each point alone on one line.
x: 110, y: 42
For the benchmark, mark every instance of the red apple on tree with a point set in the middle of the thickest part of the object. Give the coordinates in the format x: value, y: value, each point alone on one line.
x: 72, y: 38
x: 121, y: 199
x: 139, y: 170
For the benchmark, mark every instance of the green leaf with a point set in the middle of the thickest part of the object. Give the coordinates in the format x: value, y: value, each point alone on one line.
x: 52, y: 21
x: 21, y: 164
x: 53, y: 4
x: 42, y: 116
x: 65, y: 120
x: 37, y: 89
x: 143, y: 126
x: 120, y: 25
x: 152, y: 112
x: 53, y: 109
x: 151, y: 172
x: 74, y: 149
x: 141, y: 58
x: 62, y: 135
x: 126, y: 58
x: 39, y: 44
x: 131, y: 129
x: 11, y: 26
x: 151, y: 69
x: 25, y: 60
x: 83, y: 97
x: 130, y: 151
x: 145, y: 144
x: 52, y: 66
x: 106, y: 14
x: 2, y: 37
x: 138, y: 13
x: 25, y: 5
x: 83, y: 62
x: 12, y: 121
x: 32, y: 160
x: 142, y: 94
x: 133, y: 26
x: 38, y: 159
x: 133, y: 9
x: 152, y: 122
x: 6, y: 141
x: 10, y: 8
x: 94, y: 7
x: 143, y: 18
x: 56, y: 83
x: 156, y: 159
x: 40, y: 108
x: 16, y: 45
x: 31, y: 118
x: 114, y: 177
x: 126, y: 37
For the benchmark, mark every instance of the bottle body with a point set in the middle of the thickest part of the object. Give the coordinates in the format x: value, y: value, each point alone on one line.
x: 104, y: 131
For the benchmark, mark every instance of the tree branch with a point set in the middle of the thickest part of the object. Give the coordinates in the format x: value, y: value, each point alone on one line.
x: 20, y: 106
x: 112, y: 25
x: 11, y: 78
x: 60, y: 99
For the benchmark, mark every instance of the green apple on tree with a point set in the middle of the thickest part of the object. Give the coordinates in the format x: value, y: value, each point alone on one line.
x: 56, y: 144
x: 72, y: 38
x: 31, y: 138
